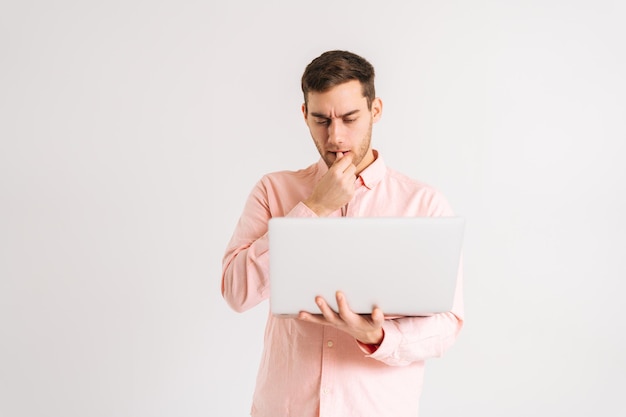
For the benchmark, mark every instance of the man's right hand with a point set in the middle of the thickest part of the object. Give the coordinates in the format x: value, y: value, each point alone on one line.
x: 336, y: 187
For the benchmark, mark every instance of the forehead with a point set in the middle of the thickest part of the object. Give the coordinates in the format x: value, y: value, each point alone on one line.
x: 339, y: 99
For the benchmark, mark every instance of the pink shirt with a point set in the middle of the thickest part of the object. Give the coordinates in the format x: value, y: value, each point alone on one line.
x: 310, y: 370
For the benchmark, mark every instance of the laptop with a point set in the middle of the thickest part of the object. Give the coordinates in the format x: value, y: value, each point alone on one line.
x: 407, y: 266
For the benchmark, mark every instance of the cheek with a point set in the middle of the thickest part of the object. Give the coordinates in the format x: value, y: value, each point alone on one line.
x: 362, y: 131
x: 318, y: 138
x: 315, y: 128
x: 319, y: 134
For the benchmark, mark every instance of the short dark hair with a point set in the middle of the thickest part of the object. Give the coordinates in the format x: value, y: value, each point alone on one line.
x: 337, y: 67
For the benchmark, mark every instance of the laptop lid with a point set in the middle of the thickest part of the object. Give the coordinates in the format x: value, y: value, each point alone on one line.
x: 404, y: 265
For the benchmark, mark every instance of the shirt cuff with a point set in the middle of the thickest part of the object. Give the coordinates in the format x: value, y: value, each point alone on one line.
x: 391, y: 339
x: 301, y: 210
x: 370, y: 348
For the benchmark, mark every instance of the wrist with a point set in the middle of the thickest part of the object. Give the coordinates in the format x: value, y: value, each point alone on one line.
x: 370, y: 348
x: 374, y: 338
x: 316, y: 208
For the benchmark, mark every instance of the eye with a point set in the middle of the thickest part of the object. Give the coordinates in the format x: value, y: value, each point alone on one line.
x: 323, y: 122
x: 349, y: 120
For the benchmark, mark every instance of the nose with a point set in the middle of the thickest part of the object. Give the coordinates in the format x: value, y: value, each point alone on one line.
x: 336, y: 133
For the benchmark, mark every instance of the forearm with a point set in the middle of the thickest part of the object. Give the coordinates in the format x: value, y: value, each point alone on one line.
x: 245, y: 275
x: 411, y: 339
x: 245, y: 266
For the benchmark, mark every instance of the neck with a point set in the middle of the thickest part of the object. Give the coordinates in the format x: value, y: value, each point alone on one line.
x: 367, y: 160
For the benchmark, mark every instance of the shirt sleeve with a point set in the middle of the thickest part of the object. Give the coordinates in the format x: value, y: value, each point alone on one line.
x: 245, y: 270
x: 411, y: 339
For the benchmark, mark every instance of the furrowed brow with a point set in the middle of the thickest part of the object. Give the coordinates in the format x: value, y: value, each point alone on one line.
x: 325, y: 116
x: 350, y: 113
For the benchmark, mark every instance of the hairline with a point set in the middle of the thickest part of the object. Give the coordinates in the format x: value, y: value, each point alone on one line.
x: 361, y: 83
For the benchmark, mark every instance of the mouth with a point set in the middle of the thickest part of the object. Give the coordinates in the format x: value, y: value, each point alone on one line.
x: 333, y: 156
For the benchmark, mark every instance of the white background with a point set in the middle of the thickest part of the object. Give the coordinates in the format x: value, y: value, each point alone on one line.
x: 132, y: 131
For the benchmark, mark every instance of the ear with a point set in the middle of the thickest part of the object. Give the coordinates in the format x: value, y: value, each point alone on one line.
x: 377, y: 109
x: 304, y: 111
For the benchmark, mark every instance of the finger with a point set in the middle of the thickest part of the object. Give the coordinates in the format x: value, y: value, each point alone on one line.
x: 306, y: 316
x: 378, y: 318
x: 346, y: 173
x: 328, y: 313
x: 350, y: 171
x: 342, y: 162
x: 345, y: 312
x: 348, y: 157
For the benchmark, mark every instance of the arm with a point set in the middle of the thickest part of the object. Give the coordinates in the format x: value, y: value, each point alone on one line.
x: 410, y: 339
x: 397, y: 341
x: 245, y: 262
x: 401, y: 341
x: 245, y: 271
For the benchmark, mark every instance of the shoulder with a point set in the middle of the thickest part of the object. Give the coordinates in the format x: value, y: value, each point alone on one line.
x: 290, y: 176
x: 286, y: 181
x: 399, y: 179
x: 280, y: 191
x: 425, y: 195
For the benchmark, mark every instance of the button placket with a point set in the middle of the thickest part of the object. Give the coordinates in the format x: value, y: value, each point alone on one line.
x: 328, y: 376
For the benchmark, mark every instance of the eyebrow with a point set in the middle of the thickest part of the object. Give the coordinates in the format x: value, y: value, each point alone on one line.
x: 324, y: 116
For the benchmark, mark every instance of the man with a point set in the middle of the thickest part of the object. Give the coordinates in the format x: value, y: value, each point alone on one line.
x: 336, y: 363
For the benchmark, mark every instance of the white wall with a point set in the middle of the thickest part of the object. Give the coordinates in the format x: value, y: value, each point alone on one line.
x: 132, y: 131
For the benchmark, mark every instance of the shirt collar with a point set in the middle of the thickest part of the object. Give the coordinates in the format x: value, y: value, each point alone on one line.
x: 370, y: 176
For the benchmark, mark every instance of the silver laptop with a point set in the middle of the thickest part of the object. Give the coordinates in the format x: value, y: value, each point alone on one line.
x: 404, y: 265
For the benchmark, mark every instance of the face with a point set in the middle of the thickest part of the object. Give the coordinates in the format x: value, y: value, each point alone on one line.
x: 339, y: 121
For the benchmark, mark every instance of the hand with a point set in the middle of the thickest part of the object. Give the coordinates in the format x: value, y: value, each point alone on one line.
x: 367, y: 330
x: 336, y: 187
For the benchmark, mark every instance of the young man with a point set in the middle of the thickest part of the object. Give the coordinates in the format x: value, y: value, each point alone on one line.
x: 336, y: 363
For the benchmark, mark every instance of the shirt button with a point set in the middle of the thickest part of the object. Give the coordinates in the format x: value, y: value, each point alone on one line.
x: 325, y: 390
x: 329, y: 343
